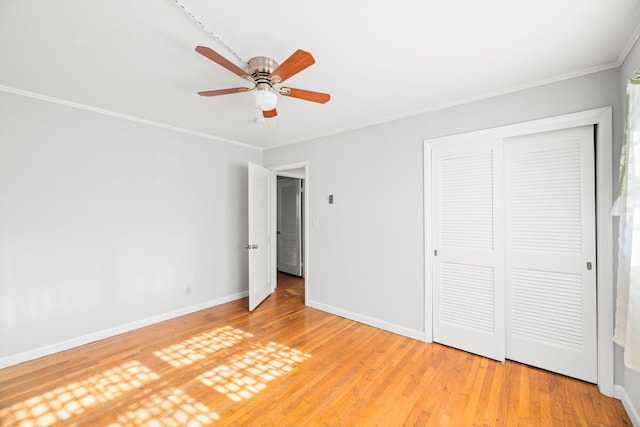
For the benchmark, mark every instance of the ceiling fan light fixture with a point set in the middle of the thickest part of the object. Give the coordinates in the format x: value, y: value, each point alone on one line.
x: 264, y: 99
x: 265, y: 74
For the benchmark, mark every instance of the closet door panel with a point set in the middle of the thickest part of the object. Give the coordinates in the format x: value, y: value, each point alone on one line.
x: 468, y: 274
x: 550, y: 251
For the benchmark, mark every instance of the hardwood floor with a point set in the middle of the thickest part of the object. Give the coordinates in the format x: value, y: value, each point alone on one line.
x: 286, y: 364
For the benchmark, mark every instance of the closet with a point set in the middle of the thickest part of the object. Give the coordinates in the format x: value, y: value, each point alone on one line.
x: 513, y: 236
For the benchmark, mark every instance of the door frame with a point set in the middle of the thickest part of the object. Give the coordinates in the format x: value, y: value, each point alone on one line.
x: 298, y: 170
x: 601, y: 118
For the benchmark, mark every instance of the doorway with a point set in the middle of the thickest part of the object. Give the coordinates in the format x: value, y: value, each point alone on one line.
x: 298, y: 173
x: 289, y: 225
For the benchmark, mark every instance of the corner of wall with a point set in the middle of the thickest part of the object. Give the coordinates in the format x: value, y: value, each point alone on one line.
x: 620, y: 393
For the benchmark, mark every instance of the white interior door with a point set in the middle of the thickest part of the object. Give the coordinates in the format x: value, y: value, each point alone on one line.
x: 550, y: 251
x: 290, y: 226
x: 258, y: 245
x: 468, y: 258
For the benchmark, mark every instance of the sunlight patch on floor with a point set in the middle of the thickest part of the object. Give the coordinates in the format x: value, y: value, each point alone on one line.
x: 238, y: 377
x: 198, y: 347
x: 247, y: 374
x: 73, y: 399
x: 170, y: 407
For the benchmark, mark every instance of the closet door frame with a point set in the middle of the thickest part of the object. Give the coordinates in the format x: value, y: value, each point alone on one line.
x: 601, y: 118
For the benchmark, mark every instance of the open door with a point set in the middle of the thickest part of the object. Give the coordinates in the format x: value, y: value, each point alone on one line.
x: 259, y: 238
x: 290, y: 226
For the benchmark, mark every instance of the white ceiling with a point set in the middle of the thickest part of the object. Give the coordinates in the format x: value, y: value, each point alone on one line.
x: 380, y: 60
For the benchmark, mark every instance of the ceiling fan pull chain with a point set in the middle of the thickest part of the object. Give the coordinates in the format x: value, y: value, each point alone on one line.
x: 215, y: 37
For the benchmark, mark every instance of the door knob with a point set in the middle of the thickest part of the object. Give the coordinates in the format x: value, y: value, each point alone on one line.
x: 247, y: 247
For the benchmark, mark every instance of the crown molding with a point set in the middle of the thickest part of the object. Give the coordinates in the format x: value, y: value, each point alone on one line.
x: 135, y: 119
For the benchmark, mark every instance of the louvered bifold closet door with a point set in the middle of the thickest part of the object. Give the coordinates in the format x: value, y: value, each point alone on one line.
x: 550, y: 251
x: 468, y: 258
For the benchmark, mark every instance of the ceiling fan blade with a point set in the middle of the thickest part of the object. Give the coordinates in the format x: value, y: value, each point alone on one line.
x: 292, y: 65
x: 222, y: 61
x: 307, y: 95
x: 269, y: 113
x: 223, y: 91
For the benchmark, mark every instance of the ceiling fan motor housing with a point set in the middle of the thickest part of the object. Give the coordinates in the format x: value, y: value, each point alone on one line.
x: 260, y: 68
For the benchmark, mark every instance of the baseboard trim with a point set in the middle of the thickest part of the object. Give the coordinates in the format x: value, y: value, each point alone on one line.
x: 371, y: 321
x: 620, y: 393
x: 106, y: 333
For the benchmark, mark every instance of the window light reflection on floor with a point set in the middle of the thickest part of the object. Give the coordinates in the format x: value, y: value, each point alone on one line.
x: 198, y: 347
x: 170, y: 407
x: 247, y: 374
x: 238, y: 377
x: 53, y: 407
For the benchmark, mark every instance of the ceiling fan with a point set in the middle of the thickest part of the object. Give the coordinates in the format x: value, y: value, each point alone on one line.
x: 266, y: 76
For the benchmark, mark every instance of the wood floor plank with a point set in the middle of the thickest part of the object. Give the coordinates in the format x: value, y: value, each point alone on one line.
x: 487, y: 410
x: 286, y: 364
x: 523, y: 394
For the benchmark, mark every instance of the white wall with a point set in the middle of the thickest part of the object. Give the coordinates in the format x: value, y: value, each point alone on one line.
x: 104, y: 222
x: 366, y: 254
x: 366, y: 248
x: 628, y: 379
